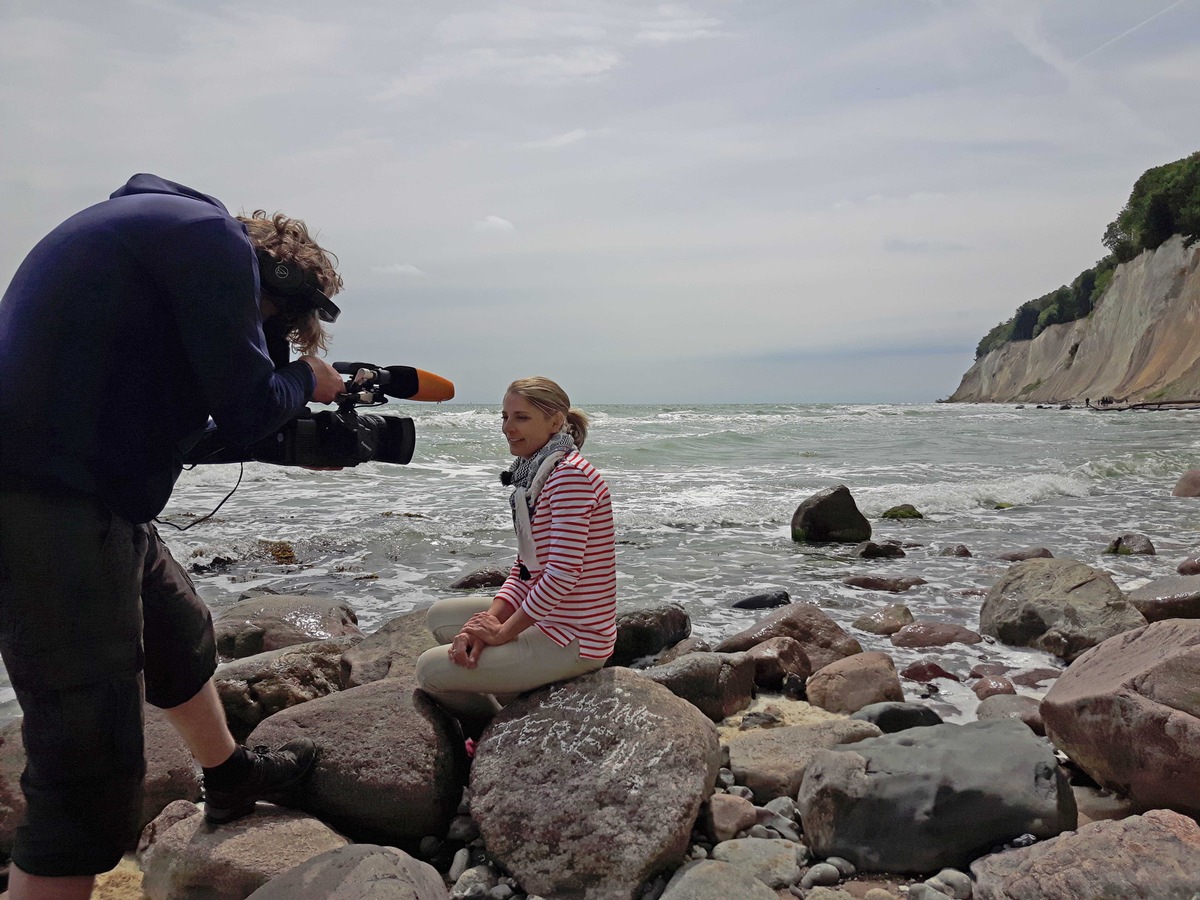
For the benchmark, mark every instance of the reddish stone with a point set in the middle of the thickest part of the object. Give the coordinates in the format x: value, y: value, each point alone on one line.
x: 925, y: 671
x: 1034, y: 677
x: 982, y: 670
x: 991, y: 686
x: 934, y: 634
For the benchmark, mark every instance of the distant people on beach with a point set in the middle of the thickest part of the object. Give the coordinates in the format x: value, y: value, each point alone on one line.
x: 155, y: 301
x: 555, y: 615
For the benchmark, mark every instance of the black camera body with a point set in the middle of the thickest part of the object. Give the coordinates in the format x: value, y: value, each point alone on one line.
x: 343, y: 437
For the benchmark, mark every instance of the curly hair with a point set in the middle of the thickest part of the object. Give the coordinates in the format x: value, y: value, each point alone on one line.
x: 288, y: 240
x: 550, y: 398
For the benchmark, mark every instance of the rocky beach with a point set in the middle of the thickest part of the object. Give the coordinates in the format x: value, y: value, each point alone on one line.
x: 781, y: 760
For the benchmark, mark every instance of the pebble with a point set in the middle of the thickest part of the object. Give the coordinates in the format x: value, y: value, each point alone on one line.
x: 783, y: 806
x: 430, y: 845
x: 501, y: 892
x: 952, y: 882
x: 462, y: 829
x: 845, y: 868
x: 698, y: 852
x: 761, y: 831
x: 740, y: 790
x: 821, y: 874
x: 462, y: 859
x: 925, y: 892
x: 725, y: 778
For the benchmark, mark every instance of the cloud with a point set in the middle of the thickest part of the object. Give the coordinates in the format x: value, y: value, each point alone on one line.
x: 487, y: 63
x: 494, y: 225
x: 909, y: 245
x: 397, y: 269
x: 562, y: 140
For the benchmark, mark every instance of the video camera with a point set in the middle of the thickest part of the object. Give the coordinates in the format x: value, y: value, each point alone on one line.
x: 343, y: 437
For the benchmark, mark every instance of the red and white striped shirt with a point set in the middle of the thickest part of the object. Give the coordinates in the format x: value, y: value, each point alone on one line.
x: 574, y: 596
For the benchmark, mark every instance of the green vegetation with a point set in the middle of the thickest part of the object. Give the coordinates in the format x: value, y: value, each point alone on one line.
x: 1165, y: 201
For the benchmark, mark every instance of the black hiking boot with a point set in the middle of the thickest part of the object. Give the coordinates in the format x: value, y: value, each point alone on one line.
x: 273, y: 775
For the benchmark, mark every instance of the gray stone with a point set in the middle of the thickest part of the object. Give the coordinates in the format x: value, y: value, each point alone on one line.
x: 776, y: 659
x: 1012, y: 706
x: 770, y: 762
x: 1188, y: 484
x: 873, y: 550
x: 884, y: 621
x: 926, y: 891
x: 821, y: 637
x: 482, y: 577
x: 1131, y: 544
x: 893, y: 717
x: 391, y: 651
x: 952, y: 882
x: 1128, y: 713
x: 896, y: 584
x: 605, y: 775
x: 1155, y: 856
x: 255, y: 687
x: 1168, y: 598
x: 683, y: 648
x: 773, y: 862
x: 830, y: 515
x: 941, y: 795
x: 184, y: 857
x: 1057, y: 605
x: 262, y: 622
x: 171, y: 772
x: 768, y: 600
x: 710, y: 879
x: 647, y: 632
x: 822, y: 874
x: 718, y: 684
x: 1024, y: 554
x: 390, y: 764
x: 357, y: 872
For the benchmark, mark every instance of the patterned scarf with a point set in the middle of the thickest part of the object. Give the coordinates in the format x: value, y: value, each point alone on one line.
x: 521, y: 472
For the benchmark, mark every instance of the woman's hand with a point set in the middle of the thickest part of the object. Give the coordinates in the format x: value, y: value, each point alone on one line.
x: 485, y: 628
x: 465, y: 651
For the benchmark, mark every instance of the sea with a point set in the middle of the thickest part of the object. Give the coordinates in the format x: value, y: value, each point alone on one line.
x: 703, y: 497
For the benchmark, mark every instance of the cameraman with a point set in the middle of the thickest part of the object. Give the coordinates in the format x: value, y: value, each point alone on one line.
x: 122, y: 332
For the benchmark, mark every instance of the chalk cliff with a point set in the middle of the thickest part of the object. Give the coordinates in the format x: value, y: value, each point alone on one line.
x: 1141, y: 342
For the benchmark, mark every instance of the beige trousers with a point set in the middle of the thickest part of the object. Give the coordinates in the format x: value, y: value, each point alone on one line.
x: 528, y: 662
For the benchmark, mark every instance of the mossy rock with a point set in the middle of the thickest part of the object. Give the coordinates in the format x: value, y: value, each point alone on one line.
x: 903, y: 511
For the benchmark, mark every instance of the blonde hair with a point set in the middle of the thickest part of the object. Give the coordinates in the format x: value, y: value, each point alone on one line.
x: 547, y: 396
x: 288, y: 240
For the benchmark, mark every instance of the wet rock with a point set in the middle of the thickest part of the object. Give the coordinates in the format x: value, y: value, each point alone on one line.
x: 1168, y: 598
x: 609, y: 798
x: 390, y: 764
x: 647, y: 632
x: 261, y: 622
x: 1035, y: 677
x: 187, y: 858
x: 872, y: 550
x: 991, y: 686
x: 933, y: 634
x: 847, y: 685
x: 1128, y: 713
x: 1011, y: 706
x: 884, y: 621
x: 1190, y: 566
x: 718, y: 684
x: 1027, y: 553
x: 357, y: 872
x: 926, y: 670
x: 903, y: 511
x: 955, y: 550
x: 895, y: 585
x: 1188, y: 484
x: 1131, y: 544
x: 776, y: 659
x: 768, y: 600
x: 771, y: 762
x: 483, y: 577
x: 1057, y: 605
x: 891, y: 717
x: 683, y: 648
x: 942, y: 795
x: 255, y: 687
x: 982, y: 670
x: 821, y: 637
x: 1156, y: 855
x: 389, y: 652
x: 830, y: 515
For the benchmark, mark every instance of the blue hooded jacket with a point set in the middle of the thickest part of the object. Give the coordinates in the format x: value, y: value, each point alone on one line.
x: 122, y: 332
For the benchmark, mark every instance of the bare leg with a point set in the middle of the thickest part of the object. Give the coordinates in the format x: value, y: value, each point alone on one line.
x: 201, y: 722
x: 23, y: 886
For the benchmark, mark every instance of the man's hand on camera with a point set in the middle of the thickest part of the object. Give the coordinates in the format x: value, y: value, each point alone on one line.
x: 329, y: 382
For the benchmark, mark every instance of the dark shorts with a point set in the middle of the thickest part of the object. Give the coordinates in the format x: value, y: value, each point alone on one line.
x: 80, y: 589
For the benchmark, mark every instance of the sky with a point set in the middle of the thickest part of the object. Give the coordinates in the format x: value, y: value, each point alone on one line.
x: 787, y: 201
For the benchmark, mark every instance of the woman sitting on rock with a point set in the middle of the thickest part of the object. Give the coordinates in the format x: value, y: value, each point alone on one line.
x: 555, y: 615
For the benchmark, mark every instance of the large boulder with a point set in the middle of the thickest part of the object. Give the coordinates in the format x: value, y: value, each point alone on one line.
x: 587, y: 788
x: 1128, y: 713
x: 1057, y: 605
x: 928, y: 798
x: 261, y: 622
x: 390, y: 766
x: 182, y: 857
x: 830, y: 515
x: 1151, y: 857
x: 823, y: 639
x: 771, y: 761
x: 253, y: 688
x: 1177, y: 597
x: 647, y: 632
x: 357, y: 872
x: 718, y: 684
x: 171, y: 772
x: 12, y: 800
x: 1188, y: 484
x: 777, y: 659
x: 849, y: 684
x: 709, y: 879
x: 389, y: 652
